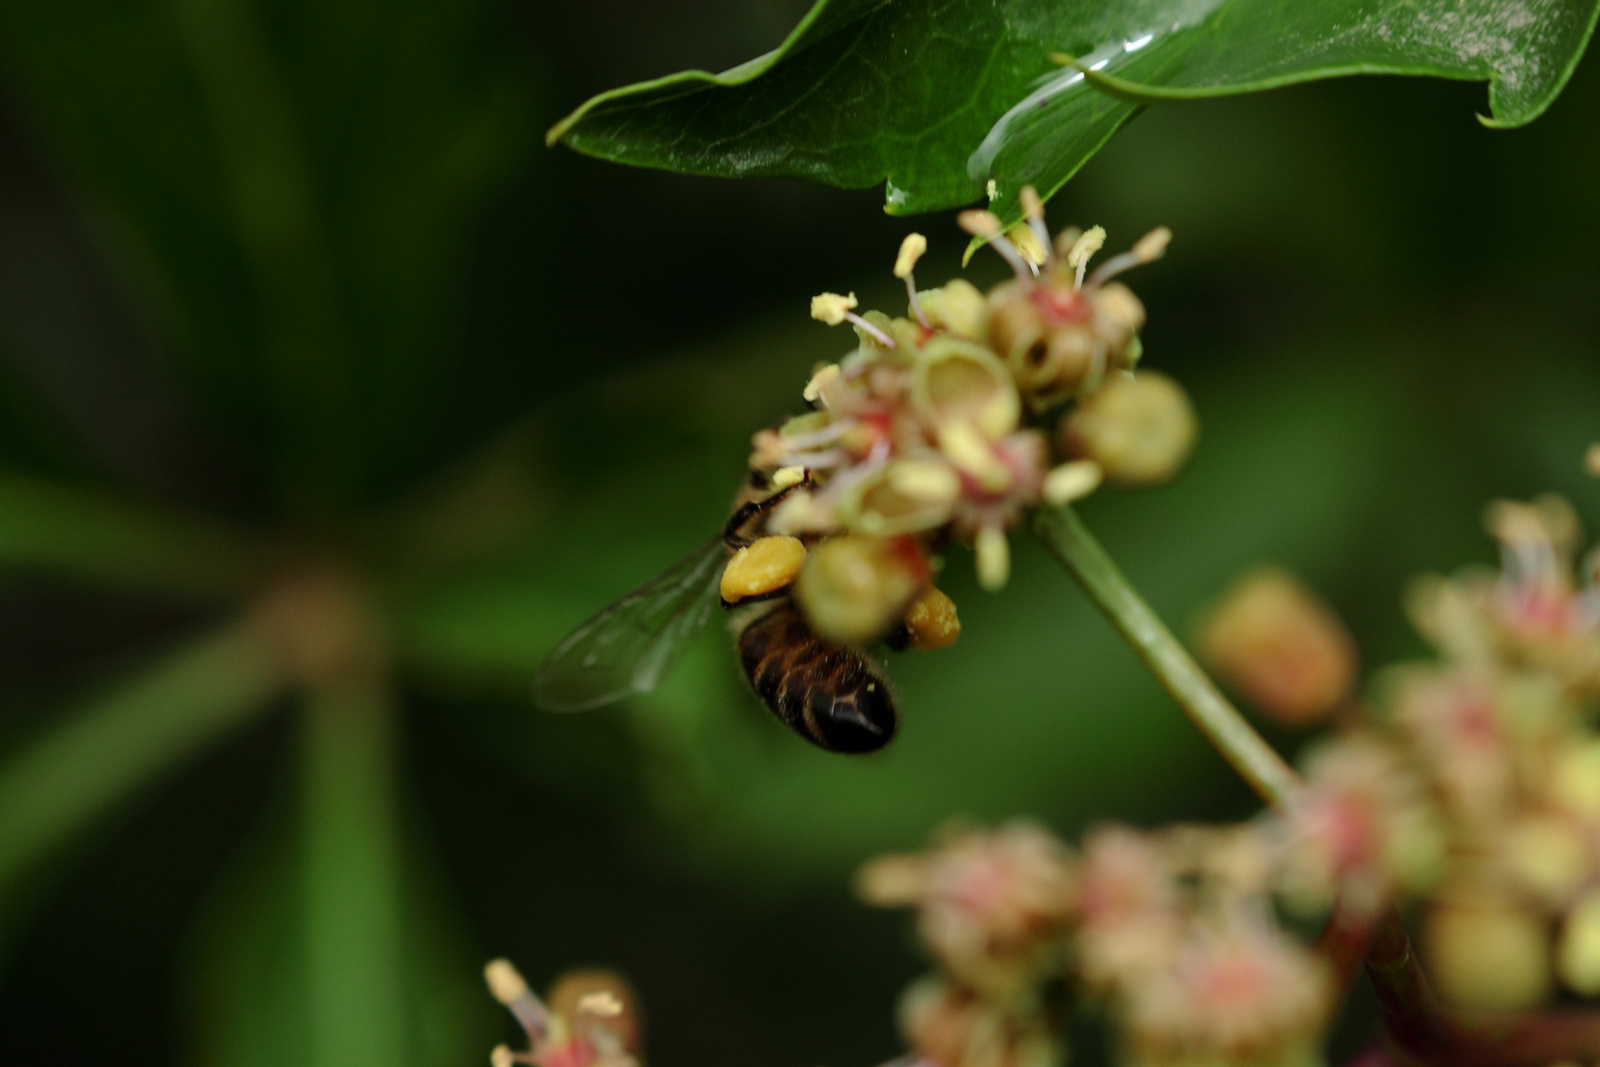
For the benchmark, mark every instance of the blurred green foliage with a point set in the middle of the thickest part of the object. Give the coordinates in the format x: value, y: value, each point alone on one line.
x: 285, y: 292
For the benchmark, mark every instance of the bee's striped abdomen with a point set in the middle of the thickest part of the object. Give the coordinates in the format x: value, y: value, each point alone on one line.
x: 832, y: 695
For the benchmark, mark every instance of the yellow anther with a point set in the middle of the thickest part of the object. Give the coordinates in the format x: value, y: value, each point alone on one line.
x: 505, y: 982
x: 971, y: 451
x: 979, y: 223
x: 1072, y: 481
x: 1032, y: 206
x: 1084, y: 247
x: 603, y: 1003
x: 931, y: 619
x: 763, y: 567
x: 993, y: 558
x: 784, y: 477
x: 924, y: 479
x: 1153, y: 245
x: 502, y: 1056
x: 831, y: 307
x: 1028, y: 243
x: 990, y: 189
x: 827, y: 375
x: 911, y: 250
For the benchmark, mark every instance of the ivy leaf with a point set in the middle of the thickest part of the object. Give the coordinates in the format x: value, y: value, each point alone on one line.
x: 939, y: 98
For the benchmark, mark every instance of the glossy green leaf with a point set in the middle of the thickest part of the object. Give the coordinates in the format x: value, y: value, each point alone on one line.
x: 940, y: 99
x: 93, y: 760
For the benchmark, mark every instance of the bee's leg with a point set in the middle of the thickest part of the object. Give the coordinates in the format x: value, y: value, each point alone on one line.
x: 733, y: 534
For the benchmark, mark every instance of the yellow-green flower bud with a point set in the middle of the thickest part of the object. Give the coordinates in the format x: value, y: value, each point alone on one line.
x: 1140, y: 429
x: 853, y: 589
x: 1486, y: 954
x: 1578, y: 955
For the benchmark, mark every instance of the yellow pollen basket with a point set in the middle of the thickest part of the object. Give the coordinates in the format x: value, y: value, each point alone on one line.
x: 932, y: 620
x: 766, y: 566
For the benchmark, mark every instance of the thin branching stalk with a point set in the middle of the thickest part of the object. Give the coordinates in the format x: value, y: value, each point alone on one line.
x: 1069, y: 540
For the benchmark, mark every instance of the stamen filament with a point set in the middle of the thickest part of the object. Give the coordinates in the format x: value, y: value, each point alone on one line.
x: 878, y: 335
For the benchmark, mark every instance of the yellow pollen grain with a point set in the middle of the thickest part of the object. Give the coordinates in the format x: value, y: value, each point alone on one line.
x: 1085, y: 246
x: 831, y: 307
x: 784, y: 477
x: 932, y: 620
x: 1072, y: 481
x: 1028, y: 243
x: 993, y: 553
x: 911, y: 250
x: 766, y: 566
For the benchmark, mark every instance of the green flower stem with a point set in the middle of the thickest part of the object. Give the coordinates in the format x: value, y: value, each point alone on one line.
x: 55, y: 785
x: 351, y: 871
x: 1066, y: 538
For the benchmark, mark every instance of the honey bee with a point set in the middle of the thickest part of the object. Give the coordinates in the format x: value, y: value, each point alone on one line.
x: 834, y: 695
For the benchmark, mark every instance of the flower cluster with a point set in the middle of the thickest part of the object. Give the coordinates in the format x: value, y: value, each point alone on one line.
x: 1476, y: 787
x: 955, y: 419
x: 589, y: 1019
x: 1173, y: 934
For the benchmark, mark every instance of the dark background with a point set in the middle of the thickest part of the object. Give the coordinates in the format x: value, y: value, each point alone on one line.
x: 1386, y: 314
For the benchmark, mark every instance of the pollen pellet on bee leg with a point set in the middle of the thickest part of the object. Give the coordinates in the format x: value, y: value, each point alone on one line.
x: 931, y: 620
x: 765, y: 566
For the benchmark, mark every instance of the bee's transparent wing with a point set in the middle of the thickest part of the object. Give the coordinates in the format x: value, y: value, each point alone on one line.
x: 629, y: 646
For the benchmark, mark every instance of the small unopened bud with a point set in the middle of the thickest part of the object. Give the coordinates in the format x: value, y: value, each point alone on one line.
x: 1275, y: 641
x: 1487, y: 954
x: 831, y: 308
x: 993, y: 552
x: 853, y: 589
x: 1550, y: 857
x: 1072, y: 481
x: 505, y: 981
x: 1139, y: 429
x: 764, y: 566
x: 931, y: 620
x: 911, y: 250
